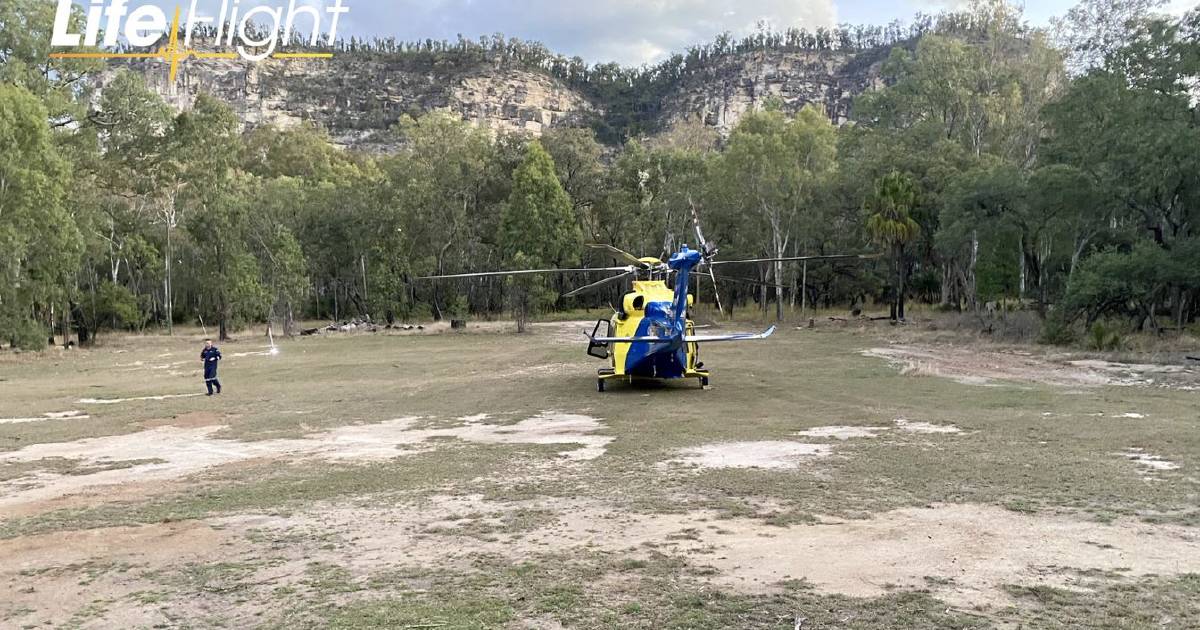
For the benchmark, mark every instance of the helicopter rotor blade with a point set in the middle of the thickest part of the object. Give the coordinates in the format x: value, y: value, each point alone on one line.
x: 619, y: 254
x: 797, y: 259
x: 750, y: 281
x: 708, y: 253
x: 706, y: 250
x: 595, y: 286
x: 522, y: 272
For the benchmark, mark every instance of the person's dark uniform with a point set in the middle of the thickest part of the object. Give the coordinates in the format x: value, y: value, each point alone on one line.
x: 211, y: 357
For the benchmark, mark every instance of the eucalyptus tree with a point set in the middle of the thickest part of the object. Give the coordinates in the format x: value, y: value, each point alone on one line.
x: 40, y: 244
x: 441, y: 176
x: 962, y: 100
x: 1094, y: 29
x: 776, y: 166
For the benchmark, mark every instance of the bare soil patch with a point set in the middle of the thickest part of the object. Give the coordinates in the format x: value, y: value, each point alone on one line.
x: 117, y: 401
x: 55, y: 576
x: 192, y: 420
x: 911, y: 426
x: 54, y: 415
x: 972, y: 549
x: 843, y: 433
x: 769, y: 455
x: 983, y: 367
x: 964, y: 553
x: 183, y: 448
x: 1149, y: 462
x: 846, y: 433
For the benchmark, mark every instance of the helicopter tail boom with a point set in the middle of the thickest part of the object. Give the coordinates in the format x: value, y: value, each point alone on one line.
x: 688, y: 338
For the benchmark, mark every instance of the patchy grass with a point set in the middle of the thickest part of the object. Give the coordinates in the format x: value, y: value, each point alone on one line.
x: 1149, y: 603
x: 599, y: 591
x: 272, y: 488
x: 1027, y: 447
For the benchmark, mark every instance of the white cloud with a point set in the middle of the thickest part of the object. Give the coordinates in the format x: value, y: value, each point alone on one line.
x: 627, y: 31
x: 1179, y: 7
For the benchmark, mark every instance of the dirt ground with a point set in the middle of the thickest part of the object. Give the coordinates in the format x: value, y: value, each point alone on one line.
x: 986, y: 367
x: 830, y: 479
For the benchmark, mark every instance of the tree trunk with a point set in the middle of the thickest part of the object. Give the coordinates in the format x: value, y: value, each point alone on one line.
x: 66, y: 325
x: 223, y: 316
x: 168, y: 301
x: 780, y: 245
x: 366, y: 294
x: 762, y: 289
x: 804, y: 290
x: 947, y: 285
x: 971, y: 286
x: 1022, y: 255
x: 897, y: 306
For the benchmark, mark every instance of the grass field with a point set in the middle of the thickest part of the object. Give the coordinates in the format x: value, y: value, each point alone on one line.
x: 831, y: 478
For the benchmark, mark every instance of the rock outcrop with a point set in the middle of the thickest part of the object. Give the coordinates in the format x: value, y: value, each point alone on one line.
x: 359, y: 95
x: 723, y: 92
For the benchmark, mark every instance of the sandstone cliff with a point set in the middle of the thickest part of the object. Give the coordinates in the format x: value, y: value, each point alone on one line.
x: 358, y: 95
x: 725, y: 90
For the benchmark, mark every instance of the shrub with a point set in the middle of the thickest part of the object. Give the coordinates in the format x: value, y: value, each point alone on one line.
x: 1057, y: 332
x: 1101, y: 339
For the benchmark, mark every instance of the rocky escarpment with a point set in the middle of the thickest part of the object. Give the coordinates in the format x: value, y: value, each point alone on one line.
x: 358, y: 95
x: 725, y: 90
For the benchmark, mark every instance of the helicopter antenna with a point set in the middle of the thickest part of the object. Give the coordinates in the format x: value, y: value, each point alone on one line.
x: 707, y: 252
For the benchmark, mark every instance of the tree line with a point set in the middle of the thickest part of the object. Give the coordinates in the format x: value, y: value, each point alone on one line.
x: 1055, y: 171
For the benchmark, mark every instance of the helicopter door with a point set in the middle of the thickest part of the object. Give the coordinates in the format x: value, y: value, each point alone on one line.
x: 596, y: 348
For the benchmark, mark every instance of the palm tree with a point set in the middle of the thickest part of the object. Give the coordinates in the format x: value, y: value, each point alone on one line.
x: 889, y: 222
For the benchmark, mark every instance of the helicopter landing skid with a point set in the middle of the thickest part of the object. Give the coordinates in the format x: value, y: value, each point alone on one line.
x: 605, y: 375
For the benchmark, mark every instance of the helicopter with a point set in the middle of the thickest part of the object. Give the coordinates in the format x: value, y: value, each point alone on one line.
x: 651, y: 337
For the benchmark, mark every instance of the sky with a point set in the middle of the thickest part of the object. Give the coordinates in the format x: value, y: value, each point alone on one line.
x: 631, y: 32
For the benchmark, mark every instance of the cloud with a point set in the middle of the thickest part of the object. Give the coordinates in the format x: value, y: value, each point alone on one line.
x: 626, y: 31
x: 1179, y: 7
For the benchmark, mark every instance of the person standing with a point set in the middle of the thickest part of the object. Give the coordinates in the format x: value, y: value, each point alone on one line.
x: 211, y: 356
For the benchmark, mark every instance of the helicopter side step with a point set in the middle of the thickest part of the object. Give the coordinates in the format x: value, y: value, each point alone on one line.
x: 602, y: 375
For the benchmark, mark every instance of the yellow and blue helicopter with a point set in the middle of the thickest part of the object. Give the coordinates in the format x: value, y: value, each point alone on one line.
x: 651, y: 336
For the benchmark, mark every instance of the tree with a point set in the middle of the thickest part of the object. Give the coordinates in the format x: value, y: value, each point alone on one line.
x: 537, y: 229
x: 889, y: 222
x: 576, y: 156
x: 1127, y: 284
x: 283, y: 267
x: 440, y: 178
x: 209, y: 144
x: 1094, y: 29
x: 969, y: 96
x: 1133, y: 130
x: 134, y: 187
x: 778, y: 165
x: 40, y: 244
x: 25, y: 34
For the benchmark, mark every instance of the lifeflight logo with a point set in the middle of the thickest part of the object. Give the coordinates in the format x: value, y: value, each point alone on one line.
x: 261, y: 27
